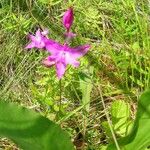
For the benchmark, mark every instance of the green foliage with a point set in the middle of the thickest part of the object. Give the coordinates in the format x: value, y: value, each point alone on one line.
x: 45, y: 1
x: 121, y: 121
x: 46, y: 91
x: 86, y: 88
x: 120, y: 112
x: 139, y: 137
x: 30, y: 130
x: 50, y: 2
x: 118, y: 32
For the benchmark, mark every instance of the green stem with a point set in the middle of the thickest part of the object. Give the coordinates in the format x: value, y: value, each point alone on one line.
x: 60, y: 95
x: 108, y: 119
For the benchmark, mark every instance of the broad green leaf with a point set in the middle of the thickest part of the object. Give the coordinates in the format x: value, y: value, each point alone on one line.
x: 86, y: 88
x: 103, y: 147
x: 120, y: 112
x: 31, y: 131
x: 139, y: 138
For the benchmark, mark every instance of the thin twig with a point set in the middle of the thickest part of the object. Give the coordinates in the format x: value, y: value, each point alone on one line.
x: 108, y: 119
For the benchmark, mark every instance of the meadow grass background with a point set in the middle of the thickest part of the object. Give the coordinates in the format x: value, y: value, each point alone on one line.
x: 118, y: 61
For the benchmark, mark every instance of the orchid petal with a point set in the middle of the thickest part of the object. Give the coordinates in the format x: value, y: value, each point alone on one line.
x: 38, y: 33
x: 79, y: 51
x: 53, y: 47
x: 75, y: 63
x: 33, y: 38
x: 69, y: 59
x: 45, y: 32
x: 60, y: 69
x: 40, y: 44
x: 30, y: 45
x: 48, y: 61
x: 38, y: 41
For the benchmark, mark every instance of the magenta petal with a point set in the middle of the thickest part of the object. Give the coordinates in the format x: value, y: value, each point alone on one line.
x: 33, y: 38
x: 45, y: 32
x: 60, y: 69
x: 69, y: 59
x: 37, y: 41
x: 79, y: 51
x: 53, y: 47
x: 40, y: 44
x: 30, y: 45
x: 38, y: 33
x: 68, y: 18
x: 76, y: 63
x: 48, y: 61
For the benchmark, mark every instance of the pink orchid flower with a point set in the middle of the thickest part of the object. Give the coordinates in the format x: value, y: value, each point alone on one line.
x: 62, y: 55
x: 39, y: 40
x: 68, y: 19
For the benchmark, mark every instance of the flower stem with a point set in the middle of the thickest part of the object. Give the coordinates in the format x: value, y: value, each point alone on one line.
x: 60, y: 86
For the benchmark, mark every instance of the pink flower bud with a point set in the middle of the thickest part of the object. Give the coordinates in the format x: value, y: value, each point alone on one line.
x: 68, y: 18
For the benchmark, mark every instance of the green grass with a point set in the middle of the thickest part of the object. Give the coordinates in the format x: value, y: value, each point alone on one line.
x: 118, y: 32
